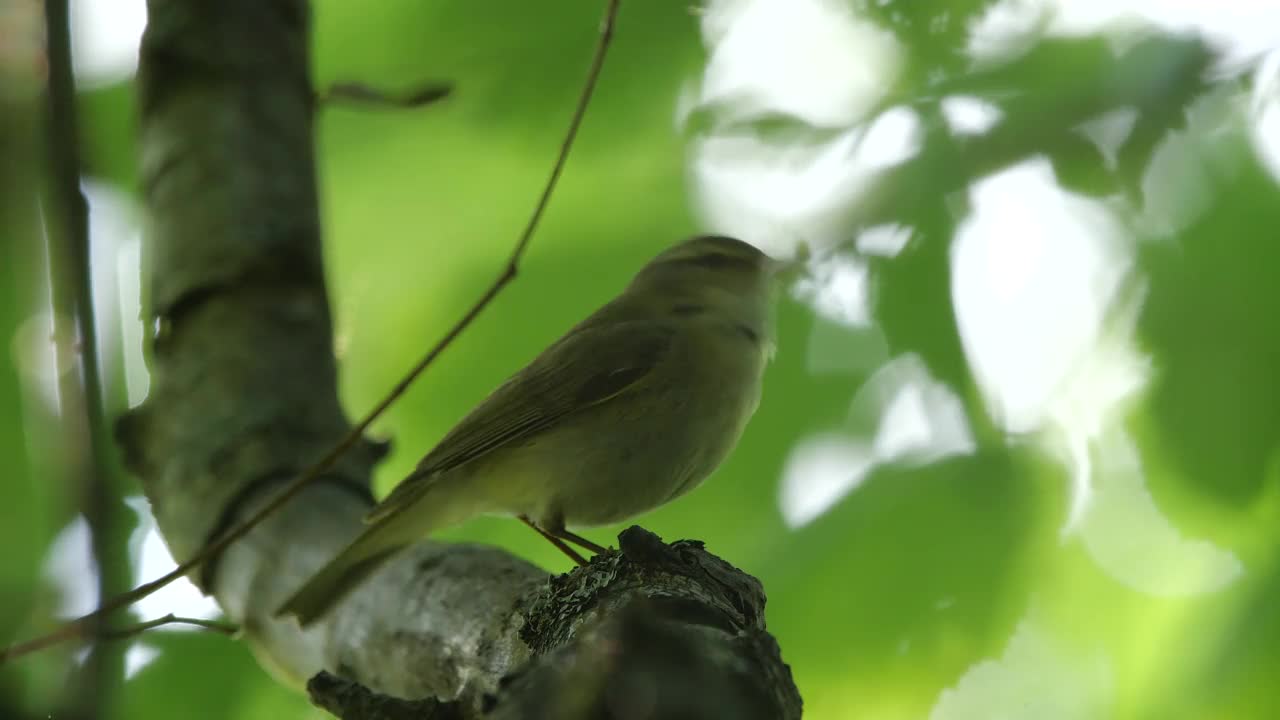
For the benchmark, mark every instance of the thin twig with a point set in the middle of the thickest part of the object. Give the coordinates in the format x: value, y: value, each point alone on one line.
x: 225, y: 628
x: 359, y: 94
x: 76, y: 627
x: 86, y: 630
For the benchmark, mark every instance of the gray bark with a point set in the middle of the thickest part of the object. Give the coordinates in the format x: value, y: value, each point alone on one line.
x: 243, y: 398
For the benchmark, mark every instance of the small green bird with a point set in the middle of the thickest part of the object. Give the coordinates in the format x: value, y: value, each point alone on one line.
x: 630, y: 409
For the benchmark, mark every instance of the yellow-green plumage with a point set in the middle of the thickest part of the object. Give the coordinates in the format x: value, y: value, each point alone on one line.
x: 631, y: 408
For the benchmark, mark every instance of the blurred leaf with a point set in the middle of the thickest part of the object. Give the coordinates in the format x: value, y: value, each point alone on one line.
x: 923, y: 572
x: 33, y: 506
x: 1209, y: 321
x: 1080, y: 167
x: 1156, y: 73
x: 1240, y: 680
x: 936, y: 31
x: 726, y: 118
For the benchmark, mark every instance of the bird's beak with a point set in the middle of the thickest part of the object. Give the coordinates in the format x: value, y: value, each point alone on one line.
x: 774, y: 267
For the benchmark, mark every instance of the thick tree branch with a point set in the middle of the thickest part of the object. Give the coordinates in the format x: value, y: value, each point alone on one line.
x: 199, y: 56
x: 353, y: 701
x: 662, y: 631
x: 669, y: 628
x: 243, y: 395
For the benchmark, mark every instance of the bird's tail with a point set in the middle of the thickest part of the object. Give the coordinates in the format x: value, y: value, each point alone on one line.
x: 377, y: 544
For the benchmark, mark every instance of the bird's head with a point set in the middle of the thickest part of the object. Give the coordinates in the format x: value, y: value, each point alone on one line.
x: 713, y: 268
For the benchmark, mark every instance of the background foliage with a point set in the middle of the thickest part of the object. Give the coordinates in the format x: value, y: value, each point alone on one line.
x: 956, y: 586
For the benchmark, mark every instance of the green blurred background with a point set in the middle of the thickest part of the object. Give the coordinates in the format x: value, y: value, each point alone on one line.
x: 1021, y: 464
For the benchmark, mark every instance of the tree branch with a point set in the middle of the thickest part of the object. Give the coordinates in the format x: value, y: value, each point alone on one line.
x: 244, y: 393
x: 89, y: 462
x: 128, y: 429
x: 353, y: 701
x: 671, y: 630
x: 683, y: 635
x: 170, y: 619
x: 359, y: 94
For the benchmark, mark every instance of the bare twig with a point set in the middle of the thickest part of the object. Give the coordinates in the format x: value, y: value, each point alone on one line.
x: 97, y: 633
x: 224, y: 628
x: 77, y: 627
x: 355, y: 93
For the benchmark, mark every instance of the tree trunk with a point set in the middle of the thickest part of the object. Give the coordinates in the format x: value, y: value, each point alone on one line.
x: 244, y: 397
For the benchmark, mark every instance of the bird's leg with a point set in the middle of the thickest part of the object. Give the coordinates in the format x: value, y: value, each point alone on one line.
x: 579, y: 541
x: 573, y: 554
x: 554, y: 525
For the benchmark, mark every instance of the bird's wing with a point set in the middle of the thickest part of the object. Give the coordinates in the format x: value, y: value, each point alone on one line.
x: 587, y: 367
